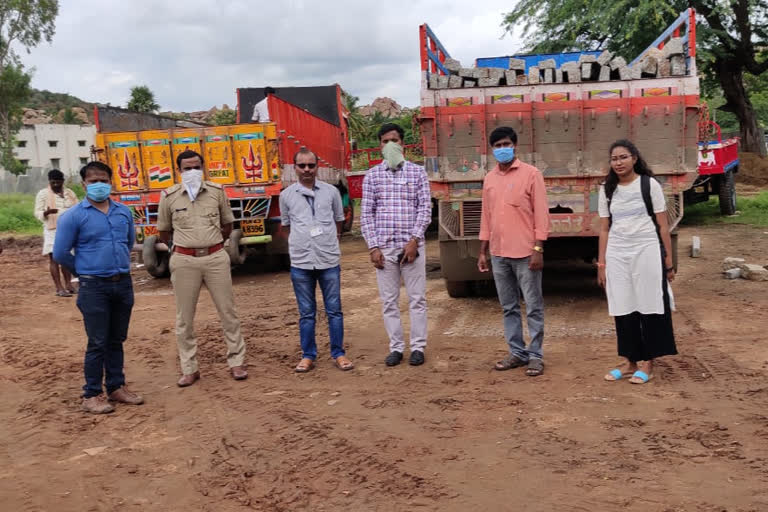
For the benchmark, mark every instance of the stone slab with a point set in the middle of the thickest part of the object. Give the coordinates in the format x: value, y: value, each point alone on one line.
x: 677, y: 65
x: 605, y: 74
x: 455, y: 82
x: 442, y: 82
x: 549, y: 76
x: 547, y: 64
x: 673, y: 47
x: 695, y: 247
x: 754, y: 272
x: 729, y: 263
x: 605, y: 58
x: 488, y: 82
x: 452, y: 65
x: 518, y: 64
x: 587, y: 59
x: 618, y: 62
x: 533, y: 75
x: 733, y: 273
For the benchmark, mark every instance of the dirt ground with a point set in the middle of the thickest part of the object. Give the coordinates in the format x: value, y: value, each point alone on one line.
x: 452, y: 435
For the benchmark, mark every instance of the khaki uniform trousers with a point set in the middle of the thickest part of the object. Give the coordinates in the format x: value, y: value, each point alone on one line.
x: 188, y: 273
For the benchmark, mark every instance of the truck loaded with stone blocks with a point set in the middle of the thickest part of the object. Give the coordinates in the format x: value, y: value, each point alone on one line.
x: 567, y: 109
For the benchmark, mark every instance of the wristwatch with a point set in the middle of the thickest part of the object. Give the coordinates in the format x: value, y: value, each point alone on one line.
x: 538, y: 249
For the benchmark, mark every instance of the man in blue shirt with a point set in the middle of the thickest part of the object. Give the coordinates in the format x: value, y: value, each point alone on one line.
x: 101, y: 233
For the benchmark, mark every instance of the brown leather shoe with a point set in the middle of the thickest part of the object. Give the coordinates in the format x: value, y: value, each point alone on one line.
x: 124, y: 396
x: 188, y: 380
x: 238, y: 372
x: 97, y: 405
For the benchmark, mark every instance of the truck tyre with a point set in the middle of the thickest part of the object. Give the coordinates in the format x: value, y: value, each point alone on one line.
x: 727, y: 193
x: 155, y: 262
x: 236, y: 253
x: 457, y: 289
x: 349, y: 218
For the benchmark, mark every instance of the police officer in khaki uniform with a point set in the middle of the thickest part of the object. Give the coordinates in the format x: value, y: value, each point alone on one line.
x: 197, y: 212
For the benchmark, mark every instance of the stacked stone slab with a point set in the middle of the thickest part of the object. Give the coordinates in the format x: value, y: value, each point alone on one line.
x: 655, y: 63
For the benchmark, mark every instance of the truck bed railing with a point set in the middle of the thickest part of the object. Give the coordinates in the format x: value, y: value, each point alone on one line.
x: 433, y: 53
x: 685, y: 24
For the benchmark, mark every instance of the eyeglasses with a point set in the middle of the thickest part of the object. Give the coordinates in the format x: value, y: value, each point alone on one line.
x: 306, y: 166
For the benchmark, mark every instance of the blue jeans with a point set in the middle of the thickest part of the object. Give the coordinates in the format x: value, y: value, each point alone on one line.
x: 510, y: 276
x: 304, y: 285
x: 106, y: 308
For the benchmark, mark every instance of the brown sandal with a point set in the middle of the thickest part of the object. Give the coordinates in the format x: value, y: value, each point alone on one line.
x: 535, y: 368
x: 344, y: 364
x: 304, y: 365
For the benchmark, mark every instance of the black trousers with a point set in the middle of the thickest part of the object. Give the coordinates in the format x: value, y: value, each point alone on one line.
x: 644, y: 337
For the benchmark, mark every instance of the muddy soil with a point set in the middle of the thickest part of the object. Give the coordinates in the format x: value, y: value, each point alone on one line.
x: 452, y: 435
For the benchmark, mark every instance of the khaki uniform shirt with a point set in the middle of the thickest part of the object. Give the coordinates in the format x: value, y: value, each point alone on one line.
x: 195, y: 224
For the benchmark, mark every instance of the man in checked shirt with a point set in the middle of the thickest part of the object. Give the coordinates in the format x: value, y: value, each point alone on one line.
x: 396, y: 211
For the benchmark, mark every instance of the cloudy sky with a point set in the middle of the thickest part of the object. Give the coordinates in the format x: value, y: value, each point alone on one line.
x: 194, y: 53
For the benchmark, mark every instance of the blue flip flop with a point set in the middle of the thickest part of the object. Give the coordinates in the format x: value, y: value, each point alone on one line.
x: 616, y: 374
x: 642, y: 376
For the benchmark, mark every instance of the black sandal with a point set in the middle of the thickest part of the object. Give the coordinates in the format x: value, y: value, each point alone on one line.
x: 535, y: 368
x: 508, y: 363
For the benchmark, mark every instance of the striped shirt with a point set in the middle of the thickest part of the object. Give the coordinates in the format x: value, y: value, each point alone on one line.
x: 396, y: 205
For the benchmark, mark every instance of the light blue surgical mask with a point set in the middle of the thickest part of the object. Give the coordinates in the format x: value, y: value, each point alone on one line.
x: 504, y: 155
x: 98, y: 192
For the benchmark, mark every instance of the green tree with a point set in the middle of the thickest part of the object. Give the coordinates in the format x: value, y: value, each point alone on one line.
x: 224, y: 117
x: 731, y: 36
x: 142, y: 100
x: 69, y: 117
x: 355, y: 119
x: 25, y: 24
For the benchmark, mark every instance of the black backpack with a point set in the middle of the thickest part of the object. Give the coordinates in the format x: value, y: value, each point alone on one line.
x: 645, y: 190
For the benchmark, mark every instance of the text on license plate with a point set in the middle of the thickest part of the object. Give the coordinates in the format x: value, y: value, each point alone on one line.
x: 254, y: 227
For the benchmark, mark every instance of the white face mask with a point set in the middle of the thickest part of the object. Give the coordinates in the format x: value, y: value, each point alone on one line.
x: 192, y: 179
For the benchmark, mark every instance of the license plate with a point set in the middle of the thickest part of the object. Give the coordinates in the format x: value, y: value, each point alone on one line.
x: 253, y: 227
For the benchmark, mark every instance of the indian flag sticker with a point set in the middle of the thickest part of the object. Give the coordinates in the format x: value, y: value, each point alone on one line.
x: 159, y: 174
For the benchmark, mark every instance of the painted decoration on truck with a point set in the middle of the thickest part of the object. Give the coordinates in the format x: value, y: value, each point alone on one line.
x: 656, y: 92
x: 252, y: 164
x: 559, y: 223
x: 459, y: 102
x: 550, y: 97
x: 178, y: 141
x: 507, y: 98
x: 249, y: 136
x: 156, y: 142
x: 605, y: 94
x: 128, y: 170
x: 218, y: 170
x: 159, y: 174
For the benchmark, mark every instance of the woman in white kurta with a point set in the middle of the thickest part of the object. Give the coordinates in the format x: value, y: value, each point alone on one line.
x: 49, y: 204
x: 635, y: 264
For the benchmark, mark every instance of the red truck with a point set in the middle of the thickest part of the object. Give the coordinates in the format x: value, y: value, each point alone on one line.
x: 567, y: 109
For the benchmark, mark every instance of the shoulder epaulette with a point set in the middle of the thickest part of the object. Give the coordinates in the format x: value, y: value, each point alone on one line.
x: 170, y: 190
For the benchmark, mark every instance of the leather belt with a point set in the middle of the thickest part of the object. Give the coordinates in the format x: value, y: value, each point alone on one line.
x: 205, y: 251
x: 116, y: 277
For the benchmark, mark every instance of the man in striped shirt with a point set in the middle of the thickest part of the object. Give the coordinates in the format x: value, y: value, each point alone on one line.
x: 396, y: 211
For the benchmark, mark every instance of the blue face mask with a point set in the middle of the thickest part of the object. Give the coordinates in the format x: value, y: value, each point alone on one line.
x: 98, y: 192
x: 504, y: 155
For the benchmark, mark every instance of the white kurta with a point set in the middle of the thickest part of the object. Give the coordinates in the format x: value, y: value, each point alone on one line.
x: 633, y: 265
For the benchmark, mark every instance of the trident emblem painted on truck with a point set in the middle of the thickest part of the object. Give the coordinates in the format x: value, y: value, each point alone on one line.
x: 252, y: 165
x: 129, y: 174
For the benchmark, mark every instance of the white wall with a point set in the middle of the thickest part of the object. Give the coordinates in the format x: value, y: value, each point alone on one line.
x: 73, y: 144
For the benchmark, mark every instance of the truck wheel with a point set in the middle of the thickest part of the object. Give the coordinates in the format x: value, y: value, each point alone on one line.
x: 155, y: 262
x: 727, y: 193
x: 349, y: 218
x: 236, y: 253
x: 457, y: 289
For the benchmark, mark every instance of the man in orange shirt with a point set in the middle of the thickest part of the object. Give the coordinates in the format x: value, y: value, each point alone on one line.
x: 514, y: 225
